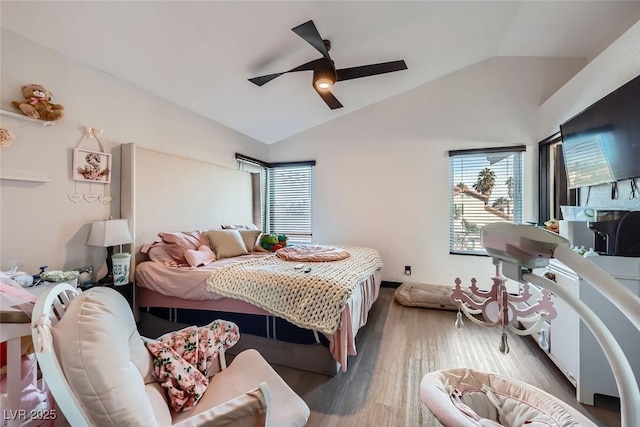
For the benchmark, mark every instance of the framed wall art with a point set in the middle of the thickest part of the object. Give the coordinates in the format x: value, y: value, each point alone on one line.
x: 91, y: 166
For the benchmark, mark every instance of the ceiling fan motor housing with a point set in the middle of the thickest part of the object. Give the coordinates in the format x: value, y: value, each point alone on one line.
x: 324, y: 75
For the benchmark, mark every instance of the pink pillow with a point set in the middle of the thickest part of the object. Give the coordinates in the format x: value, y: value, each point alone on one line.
x: 158, y: 253
x: 178, y: 242
x: 201, y: 257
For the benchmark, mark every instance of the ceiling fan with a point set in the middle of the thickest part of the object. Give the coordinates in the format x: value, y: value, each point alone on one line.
x: 324, y: 70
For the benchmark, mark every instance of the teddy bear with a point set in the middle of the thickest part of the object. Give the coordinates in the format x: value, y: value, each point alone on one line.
x: 37, y: 104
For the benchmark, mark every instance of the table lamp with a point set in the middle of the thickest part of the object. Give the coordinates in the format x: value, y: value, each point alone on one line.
x: 109, y: 233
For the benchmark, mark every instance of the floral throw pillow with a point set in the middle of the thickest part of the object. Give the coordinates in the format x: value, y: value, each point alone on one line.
x: 183, y: 360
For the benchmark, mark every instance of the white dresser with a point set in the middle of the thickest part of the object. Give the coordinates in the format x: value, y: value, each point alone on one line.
x: 595, y: 375
x: 572, y: 346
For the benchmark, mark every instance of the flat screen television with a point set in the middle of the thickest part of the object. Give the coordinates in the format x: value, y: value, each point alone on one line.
x: 602, y: 143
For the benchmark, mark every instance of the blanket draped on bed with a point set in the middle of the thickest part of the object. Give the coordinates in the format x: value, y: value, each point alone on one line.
x: 312, y: 300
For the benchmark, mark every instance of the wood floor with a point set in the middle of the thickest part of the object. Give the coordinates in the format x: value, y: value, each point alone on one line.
x: 398, y: 346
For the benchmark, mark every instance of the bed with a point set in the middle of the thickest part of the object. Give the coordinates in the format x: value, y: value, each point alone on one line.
x: 179, y: 294
x: 169, y: 297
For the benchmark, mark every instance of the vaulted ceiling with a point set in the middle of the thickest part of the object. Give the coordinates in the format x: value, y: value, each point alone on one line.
x: 200, y: 54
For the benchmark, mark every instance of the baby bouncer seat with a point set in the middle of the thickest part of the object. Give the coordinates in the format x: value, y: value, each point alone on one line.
x: 468, y: 398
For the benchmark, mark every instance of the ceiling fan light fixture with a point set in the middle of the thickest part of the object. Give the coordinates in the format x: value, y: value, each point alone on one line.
x: 324, y: 78
x: 324, y: 83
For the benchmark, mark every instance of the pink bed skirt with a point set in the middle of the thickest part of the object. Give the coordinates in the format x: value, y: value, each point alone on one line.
x: 341, y: 344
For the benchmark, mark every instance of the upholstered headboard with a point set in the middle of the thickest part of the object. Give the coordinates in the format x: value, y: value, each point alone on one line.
x: 165, y: 192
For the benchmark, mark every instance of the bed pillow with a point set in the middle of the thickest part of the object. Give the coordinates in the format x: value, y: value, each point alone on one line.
x: 226, y: 243
x: 158, y: 253
x: 239, y: 227
x: 178, y: 242
x: 201, y: 257
x: 250, y: 239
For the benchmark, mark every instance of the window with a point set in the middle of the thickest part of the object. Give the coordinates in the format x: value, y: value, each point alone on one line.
x: 282, y: 196
x: 552, y: 180
x: 288, y: 202
x: 485, y: 187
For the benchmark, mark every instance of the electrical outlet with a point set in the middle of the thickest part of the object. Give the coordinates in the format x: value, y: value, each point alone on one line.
x: 407, y: 270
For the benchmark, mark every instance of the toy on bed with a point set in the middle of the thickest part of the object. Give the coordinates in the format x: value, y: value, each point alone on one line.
x: 463, y: 397
x: 273, y: 242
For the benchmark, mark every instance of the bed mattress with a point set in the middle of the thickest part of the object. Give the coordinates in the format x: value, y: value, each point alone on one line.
x: 184, y: 282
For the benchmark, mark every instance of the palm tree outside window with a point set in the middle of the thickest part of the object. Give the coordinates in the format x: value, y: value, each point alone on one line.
x: 486, y: 187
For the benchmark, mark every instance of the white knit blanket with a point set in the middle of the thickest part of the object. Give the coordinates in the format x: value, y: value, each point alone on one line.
x: 313, y: 300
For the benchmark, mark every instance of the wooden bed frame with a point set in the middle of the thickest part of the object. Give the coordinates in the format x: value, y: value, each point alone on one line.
x: 151, y: 183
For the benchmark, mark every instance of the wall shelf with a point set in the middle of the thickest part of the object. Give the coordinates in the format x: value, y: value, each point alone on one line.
x: 25, y: 118
x: 24, y: 175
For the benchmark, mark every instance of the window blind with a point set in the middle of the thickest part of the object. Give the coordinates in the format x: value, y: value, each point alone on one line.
x: 485, y: 187
x: 289, y: 196
x: 285, y: 196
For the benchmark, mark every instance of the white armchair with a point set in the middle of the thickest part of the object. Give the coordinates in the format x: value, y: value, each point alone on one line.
x: 100, y: 372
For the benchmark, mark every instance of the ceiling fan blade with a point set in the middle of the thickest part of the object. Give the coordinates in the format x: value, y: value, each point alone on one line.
x: 311, y: 65
x: 310, y: 34
x: 328, y: 97
x: 370, y: 70
x: 259, y: 81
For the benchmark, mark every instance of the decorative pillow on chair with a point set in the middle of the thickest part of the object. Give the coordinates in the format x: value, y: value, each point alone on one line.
x: 178, y: 242
x: 226, y: 243
x: 201, y: 257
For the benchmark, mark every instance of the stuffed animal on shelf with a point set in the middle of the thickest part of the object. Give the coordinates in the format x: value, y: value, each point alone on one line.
x: 37, y: 104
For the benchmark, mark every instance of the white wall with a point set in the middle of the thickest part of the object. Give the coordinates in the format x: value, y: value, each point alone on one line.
x: 382, y: 173
x: 615, y: 66
x: 38, y: 223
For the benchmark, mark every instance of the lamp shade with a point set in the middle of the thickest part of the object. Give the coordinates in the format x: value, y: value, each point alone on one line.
x: 109, y: 232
